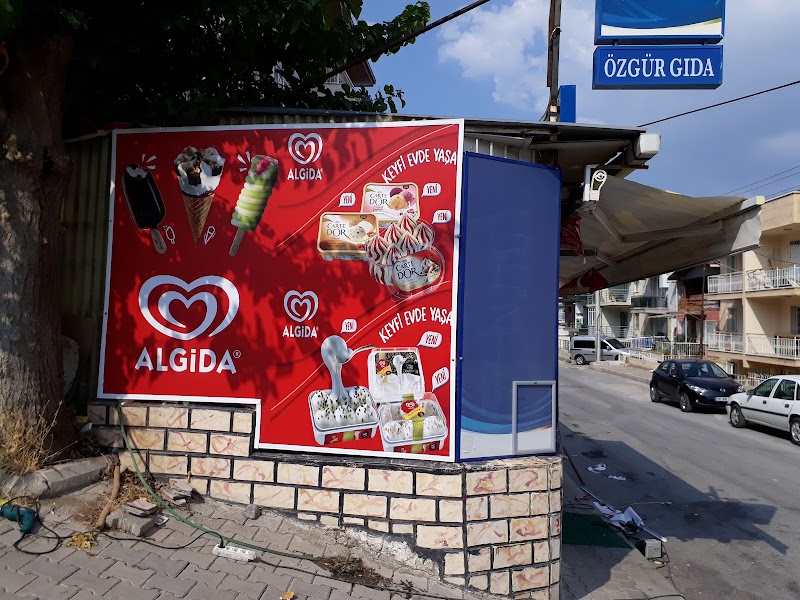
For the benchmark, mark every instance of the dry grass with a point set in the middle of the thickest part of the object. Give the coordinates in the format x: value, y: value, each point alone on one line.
x: 130, y: 488
x: 25, y: 448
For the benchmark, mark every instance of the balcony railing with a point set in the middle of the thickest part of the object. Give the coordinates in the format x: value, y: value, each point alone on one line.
x: 584, y: 298
x: 615, y: 331
x: 615, y: 296
x: 726, y: 284
x: 661, y: 353
x: 726, y: 342
x: 677, y: 349
x: 773, y: 279
x: 751, y: 380
x: 649, y: 302
x: 642, y: 343
x: 755, y: 281
x: 774, y: 345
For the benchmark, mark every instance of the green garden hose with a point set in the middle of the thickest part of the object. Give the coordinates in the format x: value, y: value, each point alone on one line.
x: 183, y: 519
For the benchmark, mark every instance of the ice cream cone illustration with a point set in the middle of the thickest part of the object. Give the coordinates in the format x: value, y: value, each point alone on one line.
x: 253, y: 198
x: 199, y: 172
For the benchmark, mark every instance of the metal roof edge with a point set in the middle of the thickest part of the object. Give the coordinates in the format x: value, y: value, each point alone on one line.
x: 468, y: 121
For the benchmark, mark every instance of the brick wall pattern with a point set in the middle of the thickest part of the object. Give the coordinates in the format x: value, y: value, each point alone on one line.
x: 494, y: 526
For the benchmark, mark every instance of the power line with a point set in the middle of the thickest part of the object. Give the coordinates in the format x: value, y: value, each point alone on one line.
x: 766, y: 185
x: 697, y: 110
x: 744, y: 187
x: 373, y: 54
x: 794, y: 188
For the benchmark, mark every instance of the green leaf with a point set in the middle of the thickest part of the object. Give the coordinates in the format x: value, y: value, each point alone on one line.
x: 74, y: 18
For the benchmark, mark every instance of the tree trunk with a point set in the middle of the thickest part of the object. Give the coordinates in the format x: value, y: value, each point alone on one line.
x: 31, y: 196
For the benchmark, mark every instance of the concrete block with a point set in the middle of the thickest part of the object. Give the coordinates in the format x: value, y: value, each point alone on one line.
x: 138, y: 526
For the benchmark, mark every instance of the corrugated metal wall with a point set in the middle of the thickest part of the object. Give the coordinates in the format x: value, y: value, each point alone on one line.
x: 256, y: 118
x: 84, y: 218
x: 85, y: 228
x: 473, y: 143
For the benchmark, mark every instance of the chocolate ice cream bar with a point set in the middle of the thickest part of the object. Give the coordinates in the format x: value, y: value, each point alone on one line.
x: 144, y: 202
x: 142, y: 196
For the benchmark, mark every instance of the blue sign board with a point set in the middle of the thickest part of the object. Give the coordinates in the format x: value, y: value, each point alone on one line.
x: 657, y: 67
x: 659, y: 21
x: 568, y: 103
x: 508, y: 304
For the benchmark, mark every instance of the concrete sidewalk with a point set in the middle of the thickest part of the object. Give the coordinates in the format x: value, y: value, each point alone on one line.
x: 153, y: 568
x: 598, y: 573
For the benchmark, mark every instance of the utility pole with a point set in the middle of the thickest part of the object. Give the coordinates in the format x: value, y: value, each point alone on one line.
x: 598, y: 349
x: 702, y: 314
x: 553, y: 48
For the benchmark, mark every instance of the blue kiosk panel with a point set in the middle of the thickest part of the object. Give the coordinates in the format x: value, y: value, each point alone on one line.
x: 508, y: 306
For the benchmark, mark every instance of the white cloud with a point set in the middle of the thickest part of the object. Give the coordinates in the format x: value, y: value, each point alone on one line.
x: 787, y: 142
x: 504, y: 44
x: 702, y: 154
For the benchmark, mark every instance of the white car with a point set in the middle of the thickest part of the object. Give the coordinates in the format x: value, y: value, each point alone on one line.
x: 774, y: 403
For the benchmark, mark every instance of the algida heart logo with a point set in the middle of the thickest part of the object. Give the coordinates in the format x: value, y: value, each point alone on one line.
x: 305, y: 149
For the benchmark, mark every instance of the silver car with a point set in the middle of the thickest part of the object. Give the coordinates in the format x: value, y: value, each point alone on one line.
x: 582, y: 350
x: 774, y: 403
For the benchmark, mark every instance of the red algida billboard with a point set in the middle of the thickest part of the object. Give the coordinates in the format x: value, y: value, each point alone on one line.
x: 308, y: 270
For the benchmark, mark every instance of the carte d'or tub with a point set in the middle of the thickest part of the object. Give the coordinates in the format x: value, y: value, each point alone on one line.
x: 344, y: 236
x: 390, y: 201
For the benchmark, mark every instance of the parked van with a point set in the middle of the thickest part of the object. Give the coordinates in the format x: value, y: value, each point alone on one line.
x: 582, y: 349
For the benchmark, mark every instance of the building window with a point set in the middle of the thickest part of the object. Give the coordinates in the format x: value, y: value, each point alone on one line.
x: 795, y: 320
x: 732, y: 320
x: 731, y: 264
x: 590, y: 317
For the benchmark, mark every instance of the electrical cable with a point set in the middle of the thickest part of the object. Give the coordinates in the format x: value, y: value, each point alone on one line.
x: 774, y: 195
x: 223, y: 539
x: 566, y: 452
x: 744, y: 187
x: 751, y: 191
x: 731, y: 101
x: 405, y: 590
x: 780, y: 260
x: 374, y: 54
x: 59, y: 539
x: 151, y: 542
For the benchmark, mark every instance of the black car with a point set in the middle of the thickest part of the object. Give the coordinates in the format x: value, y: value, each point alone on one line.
x: 692, y: 383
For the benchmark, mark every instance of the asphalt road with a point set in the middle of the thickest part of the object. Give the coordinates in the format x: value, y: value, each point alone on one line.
x: 733, y: 525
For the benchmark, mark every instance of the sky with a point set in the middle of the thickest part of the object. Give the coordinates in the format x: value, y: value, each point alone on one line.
x: 491, y: 63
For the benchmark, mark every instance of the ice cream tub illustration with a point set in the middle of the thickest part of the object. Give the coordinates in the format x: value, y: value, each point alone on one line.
x: 339, y: 420
x: 344, y: 236
x: 413, y: 426
x: 416, y: 271
x: 395, y: 373
x: 389, y: 202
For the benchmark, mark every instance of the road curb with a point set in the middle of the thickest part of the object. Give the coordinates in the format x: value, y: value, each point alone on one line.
x: 56, y: 480
x: 621, y: 370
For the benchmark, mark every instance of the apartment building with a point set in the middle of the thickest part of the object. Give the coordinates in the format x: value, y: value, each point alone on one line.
x: 643, y: 308
x: 759, y: 296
